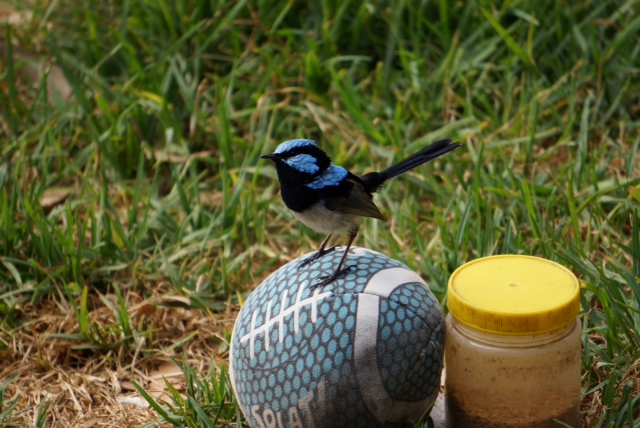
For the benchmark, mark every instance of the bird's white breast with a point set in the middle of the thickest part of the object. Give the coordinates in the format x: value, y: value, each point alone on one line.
x: 322, y: 219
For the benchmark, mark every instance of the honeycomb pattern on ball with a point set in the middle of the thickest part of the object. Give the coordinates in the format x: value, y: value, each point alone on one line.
x: 409, y: 361
x: 294, y: 348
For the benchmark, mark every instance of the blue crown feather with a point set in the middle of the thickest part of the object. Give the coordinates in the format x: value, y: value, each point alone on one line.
x: 293, y: 144
x: 331, y: 176
x: 303, y: 163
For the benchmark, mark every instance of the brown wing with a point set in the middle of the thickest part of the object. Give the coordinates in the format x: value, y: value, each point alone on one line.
x: 357, y: 202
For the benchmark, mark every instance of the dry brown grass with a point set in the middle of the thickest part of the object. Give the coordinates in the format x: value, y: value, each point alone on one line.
x: 91, y: 388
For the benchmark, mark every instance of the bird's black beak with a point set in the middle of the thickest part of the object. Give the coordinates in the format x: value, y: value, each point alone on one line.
x: 271, y: 156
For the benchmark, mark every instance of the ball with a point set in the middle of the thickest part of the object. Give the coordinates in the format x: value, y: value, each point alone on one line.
x: 365, y: 350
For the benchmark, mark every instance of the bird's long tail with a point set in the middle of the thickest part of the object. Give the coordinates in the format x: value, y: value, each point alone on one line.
x: 374, y: 180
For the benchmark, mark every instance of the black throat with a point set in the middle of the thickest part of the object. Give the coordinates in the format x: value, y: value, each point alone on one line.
x: 296, y: 196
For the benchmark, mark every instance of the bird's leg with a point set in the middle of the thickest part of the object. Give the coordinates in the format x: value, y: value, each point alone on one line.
x: 321, y: 252
x: 339, y: 270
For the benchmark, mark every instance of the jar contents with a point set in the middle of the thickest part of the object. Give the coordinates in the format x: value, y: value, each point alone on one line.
x: 513, y: 345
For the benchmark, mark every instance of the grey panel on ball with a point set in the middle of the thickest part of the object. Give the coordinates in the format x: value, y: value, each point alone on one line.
x: 365, y: 350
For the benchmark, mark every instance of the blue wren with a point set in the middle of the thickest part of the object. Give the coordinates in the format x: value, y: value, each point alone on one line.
x: 330, y: 199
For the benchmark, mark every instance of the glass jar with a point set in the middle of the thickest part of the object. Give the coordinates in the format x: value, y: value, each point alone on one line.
x: 513, y: 344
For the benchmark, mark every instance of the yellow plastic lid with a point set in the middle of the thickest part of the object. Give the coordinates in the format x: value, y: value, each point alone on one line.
x: 514, y: 295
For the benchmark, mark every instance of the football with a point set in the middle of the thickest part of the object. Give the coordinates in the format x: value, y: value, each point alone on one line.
x: 364, y: 350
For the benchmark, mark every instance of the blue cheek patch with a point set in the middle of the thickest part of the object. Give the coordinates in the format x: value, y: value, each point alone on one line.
x: 293, y: 144
x: 331, y: 176
x: 303, y: 163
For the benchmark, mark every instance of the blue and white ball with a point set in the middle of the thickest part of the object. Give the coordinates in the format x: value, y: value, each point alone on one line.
x: 365, y: 350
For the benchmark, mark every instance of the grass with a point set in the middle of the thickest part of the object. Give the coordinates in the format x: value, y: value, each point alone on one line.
x: 135, y: 214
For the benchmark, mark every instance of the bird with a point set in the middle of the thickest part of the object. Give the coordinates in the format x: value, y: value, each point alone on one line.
x: 330, y: 199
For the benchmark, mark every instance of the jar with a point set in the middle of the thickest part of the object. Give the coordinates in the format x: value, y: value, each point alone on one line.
x: 513, y: 344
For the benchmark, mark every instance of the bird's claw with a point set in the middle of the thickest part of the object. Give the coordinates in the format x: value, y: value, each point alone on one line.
x: 315, y: 256
x: 326, y: 280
